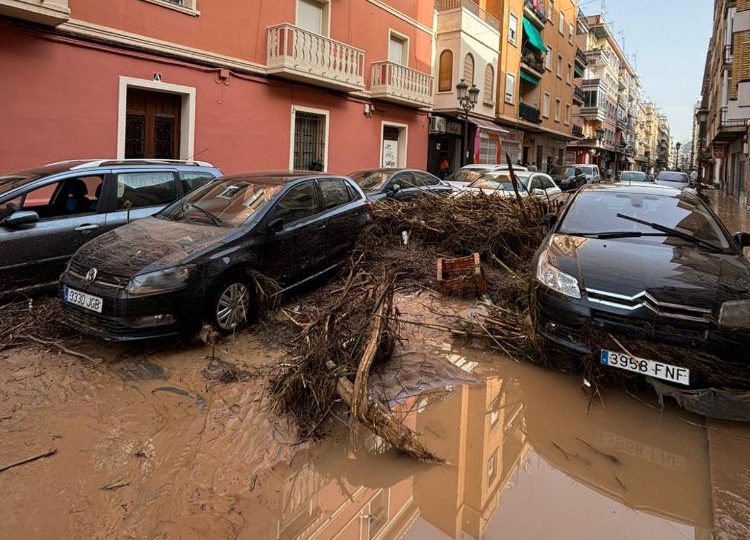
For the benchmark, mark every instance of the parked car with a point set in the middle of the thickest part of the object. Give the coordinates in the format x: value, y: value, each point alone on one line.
x: 651, y: 263
x: 593, y: 175
x: 635, y: 176
x: 498, y: 183
x: 162, y: 275
x: 568, y: 177
x: 49, y: 212
x: 398, y: 184
x: 675, y: 179
x: 467, y: 174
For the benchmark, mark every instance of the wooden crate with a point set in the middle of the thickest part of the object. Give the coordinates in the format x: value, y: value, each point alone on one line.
x: 461, y: 277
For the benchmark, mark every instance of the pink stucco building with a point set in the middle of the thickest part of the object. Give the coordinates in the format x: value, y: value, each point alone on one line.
x: 246, y: 84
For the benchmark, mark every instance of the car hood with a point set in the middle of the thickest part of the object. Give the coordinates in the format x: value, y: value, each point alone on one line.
x: 149, y: 244
x: 670, y: 272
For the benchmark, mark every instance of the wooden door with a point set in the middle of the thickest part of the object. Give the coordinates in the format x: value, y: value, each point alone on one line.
x: 152, y: 125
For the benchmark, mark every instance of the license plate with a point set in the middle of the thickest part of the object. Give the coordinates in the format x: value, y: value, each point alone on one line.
x: 86, y: 301
x: 652, y: 368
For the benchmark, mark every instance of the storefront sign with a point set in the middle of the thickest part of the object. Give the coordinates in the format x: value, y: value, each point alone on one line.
x: 454, y: 128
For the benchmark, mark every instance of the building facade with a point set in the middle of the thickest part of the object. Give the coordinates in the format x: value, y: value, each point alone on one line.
x: 723, y: 136
x: 245, y: 85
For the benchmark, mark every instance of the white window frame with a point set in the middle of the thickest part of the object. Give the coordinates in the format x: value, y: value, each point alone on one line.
x: 558, y: 109
x: 571, y: 32
x: 190, y: 9
x: 326, y: 6
x: 548, y: 59
x: 567, y: 114
x: 546, y: 105
x: 561, y: 23
x: 569, y: 74
x: 403, y: 145
x: 559, y: 66
x: 187, y: 112
x: 510, y: 82
x: 322, y: 112
x: 513, y: 29
x: 405, y: 39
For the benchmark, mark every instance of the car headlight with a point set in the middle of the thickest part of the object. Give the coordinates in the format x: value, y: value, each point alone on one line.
x: 735, y: 314
x: 556, y: 280
x: 160, y: 281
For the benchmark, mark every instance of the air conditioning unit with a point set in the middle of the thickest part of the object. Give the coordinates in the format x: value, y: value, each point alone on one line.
x: 437, y: 124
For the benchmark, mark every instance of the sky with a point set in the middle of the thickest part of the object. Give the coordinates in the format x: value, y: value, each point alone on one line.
x: 669, y: 39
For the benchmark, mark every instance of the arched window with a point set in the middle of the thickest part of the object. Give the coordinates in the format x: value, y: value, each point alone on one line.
x: 489, y: 84
x: 445, y: 75
x: 469, y: 69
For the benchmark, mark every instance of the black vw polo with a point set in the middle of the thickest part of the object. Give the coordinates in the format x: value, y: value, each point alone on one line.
x: 650, y: 263
x: 192, y: 261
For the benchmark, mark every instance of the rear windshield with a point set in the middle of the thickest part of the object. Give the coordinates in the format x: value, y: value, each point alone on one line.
x: 634, y: 176
x: 499, y: 181
x: 468, y: 175
x: 597, y: 212
x: 668, y: 176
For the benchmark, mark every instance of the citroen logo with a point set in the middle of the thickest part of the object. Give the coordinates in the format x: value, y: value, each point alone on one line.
x: 91, y: 275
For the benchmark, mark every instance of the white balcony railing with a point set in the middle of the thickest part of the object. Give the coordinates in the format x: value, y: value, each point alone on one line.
x: 400, y: 84
x: 47, y: 12
x: 302, y: 55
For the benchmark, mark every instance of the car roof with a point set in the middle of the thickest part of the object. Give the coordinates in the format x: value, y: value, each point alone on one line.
x: 635, y: 187
x: 83, y: 164
x: 277, y: 177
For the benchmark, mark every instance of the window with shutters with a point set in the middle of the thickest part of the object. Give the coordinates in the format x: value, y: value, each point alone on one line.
x: 487, y: 149
x: 469, y: 69
x: 548, y: 59
x: 445, y: 75
x: 313, y: 16
x: 510, y: 88
x: 558, y: 106
x: 489, y: 84
x: 561, y: 24
x: 545, y: 108
x: 398, y: 49
x: 513, y: 29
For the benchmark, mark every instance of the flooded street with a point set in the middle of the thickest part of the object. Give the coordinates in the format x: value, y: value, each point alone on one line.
x: 149, y: 445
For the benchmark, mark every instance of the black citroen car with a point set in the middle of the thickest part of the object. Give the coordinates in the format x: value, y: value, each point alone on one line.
x: 647, y: 262
x: 160, y: 276
x: 399, y: 184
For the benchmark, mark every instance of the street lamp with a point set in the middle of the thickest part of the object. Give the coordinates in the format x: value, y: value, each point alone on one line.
x: 600, y: 138
x: 677, y: 156
x: 467, y: 100
x: 647, y: 153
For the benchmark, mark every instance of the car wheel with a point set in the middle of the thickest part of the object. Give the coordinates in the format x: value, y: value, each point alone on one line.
x: 232, y: 305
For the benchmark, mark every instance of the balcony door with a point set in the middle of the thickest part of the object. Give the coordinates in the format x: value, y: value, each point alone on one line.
x: 312, y: 15
x: 152, y: 125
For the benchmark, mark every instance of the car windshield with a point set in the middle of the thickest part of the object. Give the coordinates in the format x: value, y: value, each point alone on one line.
x: 228, y: 203
x: 595, y: 213
x: 634, y: 176
x: 468, y: 175
x: 371, y: 181
x: 12, y: 181
x: 499, y: 181
x: 563, y: 171
x: 588, y: 170
x: 668, y: 176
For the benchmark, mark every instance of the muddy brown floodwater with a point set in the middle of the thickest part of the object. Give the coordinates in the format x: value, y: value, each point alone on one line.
x: 151, y: 445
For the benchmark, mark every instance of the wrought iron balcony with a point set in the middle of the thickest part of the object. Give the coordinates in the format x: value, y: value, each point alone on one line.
x: 47, y: 12
x: 469, y: 5
x: 578, y: 95
x: 534, y: 11
x: 581, y: 57
x: 301, y: 55
x: 400, y: 84
x: 533, y: 60
x: 577, y: 130
x: 529, y: 113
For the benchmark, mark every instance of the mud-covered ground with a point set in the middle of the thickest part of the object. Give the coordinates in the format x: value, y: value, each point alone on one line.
x: 174, y: 441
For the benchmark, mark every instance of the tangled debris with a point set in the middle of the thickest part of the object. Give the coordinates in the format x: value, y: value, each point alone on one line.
x: 25, y: 322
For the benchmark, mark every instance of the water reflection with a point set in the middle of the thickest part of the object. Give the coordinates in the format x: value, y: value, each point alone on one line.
x: 526, y: 460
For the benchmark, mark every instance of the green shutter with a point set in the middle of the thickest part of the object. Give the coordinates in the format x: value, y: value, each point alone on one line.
x: 529, y: 78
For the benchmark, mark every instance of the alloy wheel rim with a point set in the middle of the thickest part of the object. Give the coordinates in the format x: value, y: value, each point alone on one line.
x: 232, y: 307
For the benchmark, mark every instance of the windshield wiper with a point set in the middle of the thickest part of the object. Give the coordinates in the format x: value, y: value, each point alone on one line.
x: 214, y: 218
x: 673, y: 232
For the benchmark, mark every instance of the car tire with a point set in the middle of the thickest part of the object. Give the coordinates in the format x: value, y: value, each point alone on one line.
x: 233, y: 305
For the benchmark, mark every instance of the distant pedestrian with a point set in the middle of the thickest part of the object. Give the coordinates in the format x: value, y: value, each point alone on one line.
x: 445, y: 167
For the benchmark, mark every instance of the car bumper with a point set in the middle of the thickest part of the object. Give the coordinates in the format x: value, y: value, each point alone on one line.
x: 126, y: 317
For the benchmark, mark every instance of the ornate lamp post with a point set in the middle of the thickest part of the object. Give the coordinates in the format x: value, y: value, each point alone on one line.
x: 702, y: 116
x: 467, y: 100
x: 600, y: 138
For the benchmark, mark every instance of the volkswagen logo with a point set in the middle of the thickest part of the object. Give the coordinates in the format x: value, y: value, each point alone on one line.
x: 91, y: 275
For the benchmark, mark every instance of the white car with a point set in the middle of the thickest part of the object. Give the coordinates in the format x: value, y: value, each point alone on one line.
x: 498, y: 183
x: 467, y: 174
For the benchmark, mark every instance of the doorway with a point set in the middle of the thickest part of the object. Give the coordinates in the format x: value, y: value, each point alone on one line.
x: 152, y: 124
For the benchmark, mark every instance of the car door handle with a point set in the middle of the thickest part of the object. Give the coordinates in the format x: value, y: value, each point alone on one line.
x: 87, y: 227
x: 322, y: 227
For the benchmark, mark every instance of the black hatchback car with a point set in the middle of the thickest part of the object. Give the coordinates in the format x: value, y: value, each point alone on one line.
x: 398, y: 184
x: 191, y: 262
x: 568, y: 177
x: 47, y: 213
x: 651, y: 263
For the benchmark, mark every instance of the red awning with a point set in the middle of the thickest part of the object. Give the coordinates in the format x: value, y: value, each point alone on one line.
x: 486, y: 125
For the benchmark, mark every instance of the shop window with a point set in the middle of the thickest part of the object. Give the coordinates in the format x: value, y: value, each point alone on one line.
x: 469, y: 69
x: 309, y: 150
x: 489, y: 84
x: 445, y: 75
x: 487, y: 149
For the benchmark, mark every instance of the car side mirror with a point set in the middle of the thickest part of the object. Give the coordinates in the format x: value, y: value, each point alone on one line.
x: 276, y: 225
x: 393, y: 189
x: 742, y: 239
x: 21, y: 217
x: 550, y: 220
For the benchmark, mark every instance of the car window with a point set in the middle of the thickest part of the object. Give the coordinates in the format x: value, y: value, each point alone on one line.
x: 370, y: 181
x: 8, y: 207
x: 668, y: 176
x: 426, y: 179
x: 353, y: 193
x: 404, y: 179
x: 145, y: 189
x: 193, y: 180
x: 68, y: 197
x: 536, y: 183
x: 334, y: 193
x: 298, y: 203
x: 594, y: 212
x: 468, y: 175
x: 546, y: 183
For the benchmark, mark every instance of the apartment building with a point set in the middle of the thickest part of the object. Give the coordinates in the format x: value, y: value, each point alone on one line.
x: 726, y: 100
x: 303, y: 84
